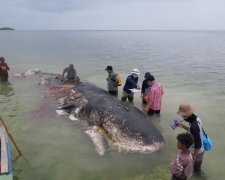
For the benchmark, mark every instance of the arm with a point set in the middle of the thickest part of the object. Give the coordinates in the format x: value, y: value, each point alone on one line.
x: 188, y: 171
x: 143, y: 87
x: 181, y: 125
x: 195, y: 131
x: 148, y: 98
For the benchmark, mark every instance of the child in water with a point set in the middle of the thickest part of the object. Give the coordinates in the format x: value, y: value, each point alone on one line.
x: 181, y: 168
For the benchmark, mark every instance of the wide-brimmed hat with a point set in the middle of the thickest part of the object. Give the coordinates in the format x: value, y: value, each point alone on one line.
x: 185, y: 109
x: 135, y: 71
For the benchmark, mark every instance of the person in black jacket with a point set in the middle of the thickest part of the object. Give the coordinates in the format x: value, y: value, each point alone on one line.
x: 131, y: 83
x: 145, y: 87
x: 195, y: 128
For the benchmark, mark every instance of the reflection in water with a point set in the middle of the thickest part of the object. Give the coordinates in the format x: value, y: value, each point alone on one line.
x: 9, y: 107
x: 6, y: 89
x: 17, y: 171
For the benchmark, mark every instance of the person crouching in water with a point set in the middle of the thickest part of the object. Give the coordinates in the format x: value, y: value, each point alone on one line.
x: 145, y: 88
x: 181, y: 168
x: 112, y: 81
x: 71, y: 74
x: 3, y: 70
x: 130, y: 83
x: 154, y: 97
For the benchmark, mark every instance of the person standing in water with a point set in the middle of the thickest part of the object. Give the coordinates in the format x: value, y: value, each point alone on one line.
x: 186, y: 112
x: 4, y: 68
x: 145, y: 87
x: 112, y: 81
x: 154, y: 97
x: 181, y: 168
x: 130, y: 83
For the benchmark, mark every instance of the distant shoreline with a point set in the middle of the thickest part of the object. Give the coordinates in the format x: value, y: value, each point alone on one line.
x: 6, y: 28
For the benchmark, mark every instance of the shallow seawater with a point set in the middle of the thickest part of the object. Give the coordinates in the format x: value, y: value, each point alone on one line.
x: 189, y: 64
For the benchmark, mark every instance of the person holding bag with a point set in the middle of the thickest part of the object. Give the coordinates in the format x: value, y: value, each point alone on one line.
x: 195, y: 124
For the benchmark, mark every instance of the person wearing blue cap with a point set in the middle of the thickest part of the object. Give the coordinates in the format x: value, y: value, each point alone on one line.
x: 145, y: 87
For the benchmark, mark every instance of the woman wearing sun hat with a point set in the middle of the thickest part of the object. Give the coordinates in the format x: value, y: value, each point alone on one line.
x: 187, y: 113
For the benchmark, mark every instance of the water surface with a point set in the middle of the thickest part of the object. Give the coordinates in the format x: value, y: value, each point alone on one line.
x: 190, y: 65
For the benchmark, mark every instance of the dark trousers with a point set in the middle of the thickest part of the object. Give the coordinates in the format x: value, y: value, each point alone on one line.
x: 126, y: 95
x: 114, y: 93
x: 151, y: 112
x: 198, y: 164
x: 176, y: 178
x: 144, y: 101
x: 3, y: 79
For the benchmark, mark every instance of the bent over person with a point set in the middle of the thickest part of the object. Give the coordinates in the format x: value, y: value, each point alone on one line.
x: 131, y: 83
x: 154, y: 96
x: 3, y: 70
x: 71, y: 73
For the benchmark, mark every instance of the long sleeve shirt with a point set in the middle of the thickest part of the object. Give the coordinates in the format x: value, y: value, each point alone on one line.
x: 154, y: 97
x: 130, y: 83
x: 112, y: 82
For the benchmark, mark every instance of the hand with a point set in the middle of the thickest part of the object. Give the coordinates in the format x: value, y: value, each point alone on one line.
x: 146, y: 109
x: 176, y: 162
x: 181, y: 125
x: 138, y: 87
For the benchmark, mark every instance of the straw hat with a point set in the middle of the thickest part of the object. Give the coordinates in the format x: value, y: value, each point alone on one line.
x: 185, y: 109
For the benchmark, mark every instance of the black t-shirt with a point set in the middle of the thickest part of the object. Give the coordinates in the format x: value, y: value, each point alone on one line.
x: 195, y: 131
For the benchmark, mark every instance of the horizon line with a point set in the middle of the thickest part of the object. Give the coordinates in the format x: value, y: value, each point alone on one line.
x: 119, y: 29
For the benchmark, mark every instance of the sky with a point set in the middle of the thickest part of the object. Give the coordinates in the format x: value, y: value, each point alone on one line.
x: 113, y: 14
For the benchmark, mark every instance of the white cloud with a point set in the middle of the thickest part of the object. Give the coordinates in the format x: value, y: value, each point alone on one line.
x: 112, y: 14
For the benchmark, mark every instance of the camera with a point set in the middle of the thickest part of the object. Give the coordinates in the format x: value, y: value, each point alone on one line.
x: 174, y: 124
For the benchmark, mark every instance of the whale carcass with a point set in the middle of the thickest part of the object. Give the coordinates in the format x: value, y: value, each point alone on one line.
x: 123, y: 124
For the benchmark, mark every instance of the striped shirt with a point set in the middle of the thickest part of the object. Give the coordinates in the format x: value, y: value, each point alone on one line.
x: 154, y: 97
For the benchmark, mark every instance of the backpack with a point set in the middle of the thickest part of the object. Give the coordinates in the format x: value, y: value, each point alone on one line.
x: 119, y: 80
x: 207, y: 142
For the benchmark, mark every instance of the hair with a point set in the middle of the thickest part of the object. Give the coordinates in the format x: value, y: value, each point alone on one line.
x: 2, y: 59
x: 147, y: 74
x: 185, y: 139
x: 151, y: 78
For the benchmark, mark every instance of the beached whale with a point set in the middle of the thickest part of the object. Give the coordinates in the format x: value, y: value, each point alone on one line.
x: 128, y: 127
x: 122, y: 124
x: 125, y: 124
